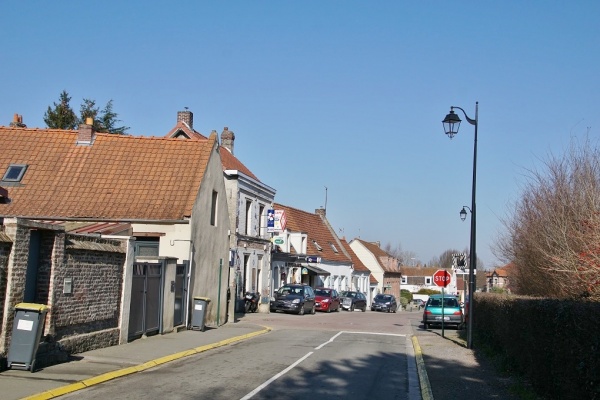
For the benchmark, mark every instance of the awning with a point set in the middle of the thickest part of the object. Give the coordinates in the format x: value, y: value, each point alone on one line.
x: 316, y: 270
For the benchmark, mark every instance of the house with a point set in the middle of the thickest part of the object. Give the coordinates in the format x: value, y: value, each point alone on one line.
x: 169, y: 192
x: 248, y: 200
x: 499, y: 278
x: 417, y: 278
x: 362, y: 279
x: 384, y: 267
x: 307, y: 250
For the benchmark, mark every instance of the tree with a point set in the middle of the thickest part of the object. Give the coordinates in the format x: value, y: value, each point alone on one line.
x: 108, y: 120
x: 553, y: 235
x: 445, y: 260
x: 404, y: 257
x: 62, y: 115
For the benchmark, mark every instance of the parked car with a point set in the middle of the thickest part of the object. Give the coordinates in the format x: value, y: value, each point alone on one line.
x: 353, y: 300
x: 327, y: 300
x: 296, y: 298
x: 384, y: 302
x: 452, y: 311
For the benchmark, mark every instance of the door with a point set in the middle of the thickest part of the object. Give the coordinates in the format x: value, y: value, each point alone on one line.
x: 146, y: 300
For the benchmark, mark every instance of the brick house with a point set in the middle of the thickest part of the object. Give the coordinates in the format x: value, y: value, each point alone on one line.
x: 169, y: 192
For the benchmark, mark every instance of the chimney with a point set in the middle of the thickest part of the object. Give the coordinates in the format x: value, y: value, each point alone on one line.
x: 17, y: 122
x: 227, y: 139
x: 85, y: 133
x: 187, y: 117
x: 321, y: 212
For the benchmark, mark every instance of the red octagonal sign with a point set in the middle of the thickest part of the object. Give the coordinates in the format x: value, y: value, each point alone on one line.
x: 441, y: 278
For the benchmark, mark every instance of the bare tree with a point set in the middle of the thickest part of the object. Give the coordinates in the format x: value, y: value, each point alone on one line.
x: 405, y: 257
x: 553, y: 235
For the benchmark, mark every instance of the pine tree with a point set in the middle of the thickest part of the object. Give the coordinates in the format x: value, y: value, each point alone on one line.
x: 62, y: 115
x: 108, y: 120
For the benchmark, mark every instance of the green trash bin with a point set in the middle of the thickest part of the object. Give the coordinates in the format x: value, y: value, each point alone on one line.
x: 28, y: 327
x: 199, y: 313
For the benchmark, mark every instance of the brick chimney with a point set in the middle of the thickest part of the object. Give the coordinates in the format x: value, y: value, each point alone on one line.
x: 85, y: 133
x: 187, y: 117
x: 17, y: 122
x: 321, y: 212
x: 227, y: 139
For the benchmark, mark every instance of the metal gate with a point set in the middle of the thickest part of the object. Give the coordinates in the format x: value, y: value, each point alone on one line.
x: 146, y: 299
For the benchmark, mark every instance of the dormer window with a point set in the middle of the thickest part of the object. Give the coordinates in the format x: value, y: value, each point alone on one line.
x: 333, y: 247
x: 317, y: 245
x: 14, y: 173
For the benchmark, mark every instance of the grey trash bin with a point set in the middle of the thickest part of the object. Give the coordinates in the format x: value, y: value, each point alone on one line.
x: 28, y: 326
x: 199, y: 313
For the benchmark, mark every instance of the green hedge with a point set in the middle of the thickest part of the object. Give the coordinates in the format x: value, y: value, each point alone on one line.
x: 555, y: 344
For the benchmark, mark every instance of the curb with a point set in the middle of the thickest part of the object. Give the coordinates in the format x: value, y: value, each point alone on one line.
x: 426, y: 393
x: 60, y: 391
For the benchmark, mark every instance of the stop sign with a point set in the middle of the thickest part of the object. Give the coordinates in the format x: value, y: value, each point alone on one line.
x: 441, y: 278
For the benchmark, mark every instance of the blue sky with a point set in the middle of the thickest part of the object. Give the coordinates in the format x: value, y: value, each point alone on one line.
x: 347, y: 95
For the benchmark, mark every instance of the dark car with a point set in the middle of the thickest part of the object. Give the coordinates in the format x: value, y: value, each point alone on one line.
x: 353, y: 301
x: 384, y: 302
x: 296, y: 298
x: 327, y: 300
x: 451, y: 313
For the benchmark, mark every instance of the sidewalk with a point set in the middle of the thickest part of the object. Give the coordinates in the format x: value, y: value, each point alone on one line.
x: 96, y: 366
x: 454, y: 372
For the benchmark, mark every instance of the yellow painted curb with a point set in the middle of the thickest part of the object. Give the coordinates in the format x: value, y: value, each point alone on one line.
x: 62, y: 390
x: 426, y: 393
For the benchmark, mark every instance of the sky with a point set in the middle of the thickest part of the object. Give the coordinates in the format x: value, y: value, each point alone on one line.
x: 334, y: 104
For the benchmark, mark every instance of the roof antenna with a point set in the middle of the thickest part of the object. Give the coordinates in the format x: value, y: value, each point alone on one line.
x: 325, y: 198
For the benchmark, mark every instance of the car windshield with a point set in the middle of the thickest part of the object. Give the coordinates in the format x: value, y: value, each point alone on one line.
x: 348, y: 294
x: 381, y: 297
x: 285, y: 290
x: 448, y: 302
x: 323, y: 292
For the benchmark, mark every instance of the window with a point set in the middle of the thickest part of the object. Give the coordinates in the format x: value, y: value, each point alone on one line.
x: 14, y: 173
x: 428, y: 281
x: 248, y: 217
x: 213, y: 209
x: 146, y: 247
x: 335, y: 250
x: 261, y: 211
x: 404, y: 280
x: 317, y: 245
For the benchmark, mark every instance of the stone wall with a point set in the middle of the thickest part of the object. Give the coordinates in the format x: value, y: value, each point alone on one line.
x: 81, y: 319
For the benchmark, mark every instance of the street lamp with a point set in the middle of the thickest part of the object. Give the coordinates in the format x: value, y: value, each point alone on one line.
x: 451, y: 124
x: 463, y: 213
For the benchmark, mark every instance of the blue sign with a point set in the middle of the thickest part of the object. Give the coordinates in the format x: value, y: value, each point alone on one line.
x: 270, y: 220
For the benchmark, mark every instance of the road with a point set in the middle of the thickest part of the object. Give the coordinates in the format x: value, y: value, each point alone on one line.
x: 335, y: 356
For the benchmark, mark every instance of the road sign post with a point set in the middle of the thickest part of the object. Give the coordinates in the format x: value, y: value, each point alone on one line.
x: 442, y: 278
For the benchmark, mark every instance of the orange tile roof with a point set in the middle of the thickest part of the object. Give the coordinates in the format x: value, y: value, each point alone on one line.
x: 118, y: 177
x: 358, y: 265
x: 380, y: 255
x: 316, y: 230
x: 231, y: 162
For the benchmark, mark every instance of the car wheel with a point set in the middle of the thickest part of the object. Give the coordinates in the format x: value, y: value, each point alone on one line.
x: 338, y: 308
x: 426, y: 325
x: 351, y: 308
x: 301, y: 310
x: 364, y: 308
x: 328, y: 309
x: 395, y: 309
x: 313, y: 310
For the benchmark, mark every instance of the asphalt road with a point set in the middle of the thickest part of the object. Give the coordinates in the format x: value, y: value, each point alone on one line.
x: 335, y: 356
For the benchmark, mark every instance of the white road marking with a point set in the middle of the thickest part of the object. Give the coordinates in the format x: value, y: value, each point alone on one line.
x: 285, y: 371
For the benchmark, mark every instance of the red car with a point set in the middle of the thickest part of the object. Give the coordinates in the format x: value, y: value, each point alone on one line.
x: 327, y: 300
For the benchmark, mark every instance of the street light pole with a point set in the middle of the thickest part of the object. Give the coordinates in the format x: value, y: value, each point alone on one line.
x: 451, y: 124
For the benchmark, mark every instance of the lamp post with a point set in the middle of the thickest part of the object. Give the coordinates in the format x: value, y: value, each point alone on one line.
x: 451, y: 124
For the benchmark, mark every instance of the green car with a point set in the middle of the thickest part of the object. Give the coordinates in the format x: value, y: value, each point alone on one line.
x: 452, y: 314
